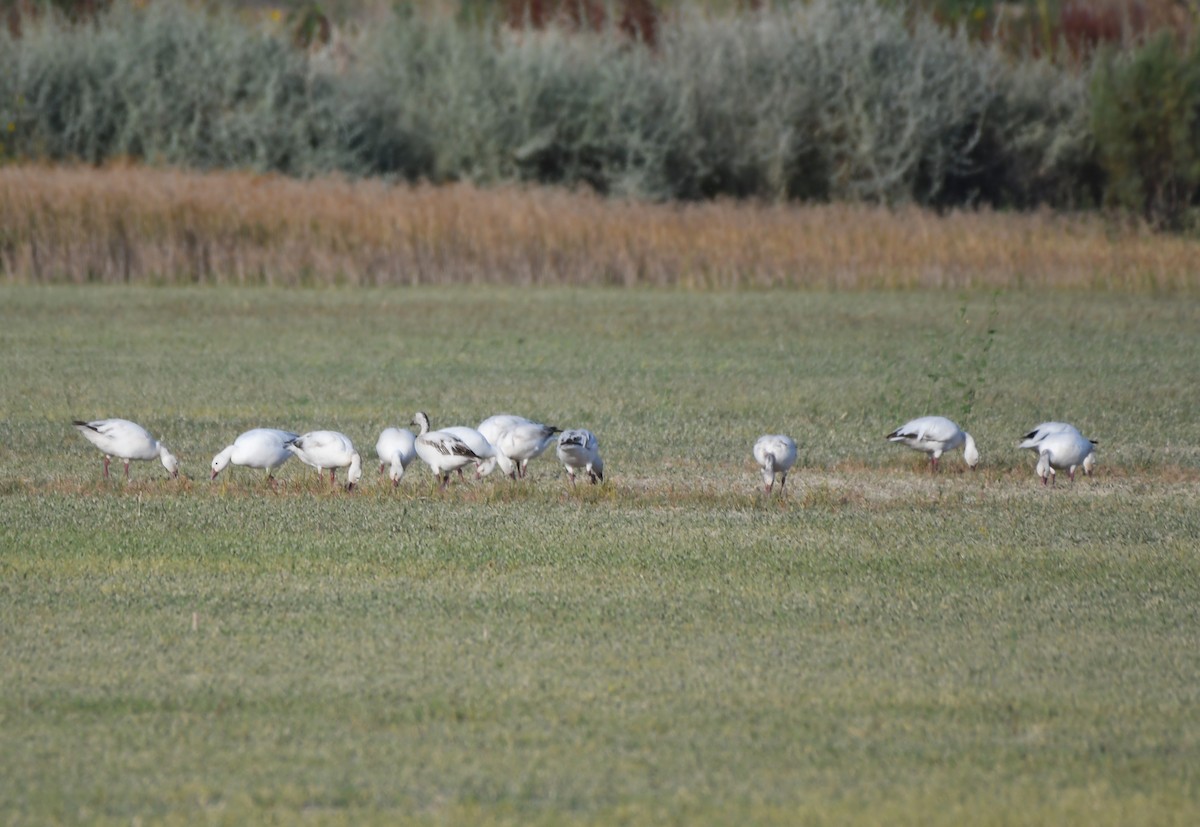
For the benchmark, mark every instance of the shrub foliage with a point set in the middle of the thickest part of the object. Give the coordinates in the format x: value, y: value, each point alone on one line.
x: 1147, y: 121
x: 804, y: 101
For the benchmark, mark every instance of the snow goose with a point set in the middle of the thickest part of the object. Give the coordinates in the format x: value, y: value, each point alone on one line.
x: 524, y: 441
x: 776, y: 454
x: 492, y: 428
x: 396, y: 447
x: 1063, y: 449
x: 578, y: 449
x: 442, y: 451
x: 328, y: 449
x: 126, y: 441
x: 935, y: 435
x: 478, y: 443
x: 264, y: 448
x: 1033, y: 438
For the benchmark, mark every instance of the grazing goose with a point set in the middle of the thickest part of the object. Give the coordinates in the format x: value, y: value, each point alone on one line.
x: 524, y: 441
x: 492, y: 428
x: 1039, y: 432
x: 126, y: 440
x: 478, y: 443
x: 328, y: 449
x: 578, y: 449
x: 935, y: 435
x: 264, y: 448
x: 396, y: 447
x: 776, y: 454
x: 440, y: 450
x: 1063, y: 449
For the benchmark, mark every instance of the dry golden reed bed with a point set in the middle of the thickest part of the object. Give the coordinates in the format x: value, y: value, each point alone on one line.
x: 135, y: 224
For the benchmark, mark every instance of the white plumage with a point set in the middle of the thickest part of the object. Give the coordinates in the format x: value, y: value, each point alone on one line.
x: 396, y: 447
x: 126, y: 441
x: 478, y: 443
x: 263, y: 448
x: 579, y: 450
x: 442, y: 451
x: 492, y: 428
x: 1032, y: 441
x: 936, y: 435
x: 776, y: 454
x: 1065, y: 449
x: 523, y: 441
x: 328, y: 449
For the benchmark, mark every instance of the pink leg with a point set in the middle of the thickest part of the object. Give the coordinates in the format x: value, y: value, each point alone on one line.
x: 105, y: 466
x: 126, y: 469
x: 333, y: 476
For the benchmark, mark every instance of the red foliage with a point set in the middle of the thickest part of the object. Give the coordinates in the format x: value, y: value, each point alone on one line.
x: 1082, y: 26
x: 636, y: 19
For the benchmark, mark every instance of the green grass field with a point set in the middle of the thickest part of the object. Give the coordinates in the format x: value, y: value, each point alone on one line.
x: 878, y: 646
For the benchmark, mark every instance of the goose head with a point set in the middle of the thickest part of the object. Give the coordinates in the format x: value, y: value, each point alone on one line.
x: 221, y: 462
x: 169, y: 461
x: 1044, y: 469
x: 421, y: 420
x: 970, y: 452
x: 396, y: 472
x: 355, y: 473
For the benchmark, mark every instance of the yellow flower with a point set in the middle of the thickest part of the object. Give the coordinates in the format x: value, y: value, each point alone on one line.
x: 276, y: 15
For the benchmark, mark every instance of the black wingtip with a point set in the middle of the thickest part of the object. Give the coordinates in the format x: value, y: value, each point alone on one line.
x: 79, y: 423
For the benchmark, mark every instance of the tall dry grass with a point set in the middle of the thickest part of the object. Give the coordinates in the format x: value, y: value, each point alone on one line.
x: 122, y: 224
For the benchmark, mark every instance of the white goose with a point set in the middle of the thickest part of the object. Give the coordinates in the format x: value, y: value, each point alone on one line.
x: 478, y: 443
x: 1063, y: 449
x: 935, y: 435
x: 1033, y: 438
x: 524, y: 441
x: 328, y: 449
x: 492, y: 428
x: 776, y: 454
x: 396, y: 447
x: 578, y: 449
x: 442, y: 451
x: 264, y: 448
x: 126, y: 441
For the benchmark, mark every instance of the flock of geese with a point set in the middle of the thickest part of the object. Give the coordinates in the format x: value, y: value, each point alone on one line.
x: 504, y: 440
x: 510, y: 442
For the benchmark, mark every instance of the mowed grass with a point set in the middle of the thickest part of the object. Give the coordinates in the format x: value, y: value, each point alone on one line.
x: 877, y: 646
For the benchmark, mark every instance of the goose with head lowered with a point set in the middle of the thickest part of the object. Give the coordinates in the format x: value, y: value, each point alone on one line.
x: 328, y: 450
x: 1064, y: 450
x: 478, y: 443
x: 396, y: 447
x: 1033, y: 439
x: 775, y: 454
x: 935, y: 435
x: 523, y: 441
x: 442, y: 451
x: 263, y: 448
x: 126, y: 441
x: 492, y: 428
x: 579, y: 450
